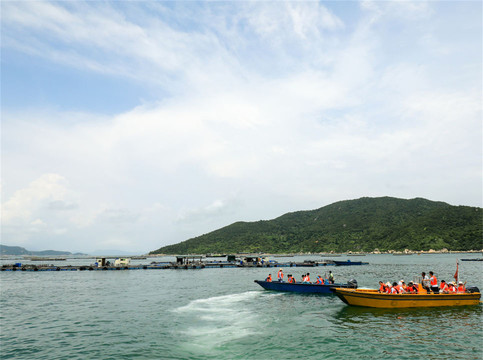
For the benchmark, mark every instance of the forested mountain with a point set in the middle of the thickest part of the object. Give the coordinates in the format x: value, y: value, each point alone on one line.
x: 353, y: 225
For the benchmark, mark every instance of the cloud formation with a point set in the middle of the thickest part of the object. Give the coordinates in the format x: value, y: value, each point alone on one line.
x: 242, y: 111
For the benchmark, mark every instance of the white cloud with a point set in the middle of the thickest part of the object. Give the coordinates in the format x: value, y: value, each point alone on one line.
x: 271, y: 108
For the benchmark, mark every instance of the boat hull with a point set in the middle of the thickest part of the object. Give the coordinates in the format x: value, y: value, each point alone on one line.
x: 372, y: 298
x: 299, y: 287
x: 349, y: 263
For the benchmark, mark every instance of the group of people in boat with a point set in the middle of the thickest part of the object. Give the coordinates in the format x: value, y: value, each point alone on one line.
x: 305, y: 278
x: 428, y: 283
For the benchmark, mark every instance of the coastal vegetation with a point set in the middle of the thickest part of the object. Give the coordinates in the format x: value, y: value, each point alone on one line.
x: 361, y: 225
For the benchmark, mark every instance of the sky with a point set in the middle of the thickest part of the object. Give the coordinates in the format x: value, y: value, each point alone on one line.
x: 131, y: 125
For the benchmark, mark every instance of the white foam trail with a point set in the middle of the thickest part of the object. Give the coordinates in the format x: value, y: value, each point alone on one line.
x: 219, y: 319
x: 220, y: 302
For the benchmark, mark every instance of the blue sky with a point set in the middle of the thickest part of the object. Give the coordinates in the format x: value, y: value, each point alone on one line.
x: 132, y: 125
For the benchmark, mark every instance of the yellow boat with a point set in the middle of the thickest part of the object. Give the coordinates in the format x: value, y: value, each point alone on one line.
x: 373, y: 298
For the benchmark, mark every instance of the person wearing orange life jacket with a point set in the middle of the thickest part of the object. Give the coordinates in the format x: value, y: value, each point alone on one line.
x: 269, y: 278
x: 451, y: 287
x: 394, y: 289
x: 382, y: 287
x: 319, y: 281
x: 434, y: 283
x: 400, y: 287
x: 280, y: 275
x: 306, y: 278
x: 289, y: 278
x: 388, y: 287
x: 443, y: 287
x: 461, y: 287
x: 411, y: 289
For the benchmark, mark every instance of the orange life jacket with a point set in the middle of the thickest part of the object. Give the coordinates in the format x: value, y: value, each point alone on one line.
x: 444, y: 287
x: 461, y: 289
x: 280, y: 275
x: 382, y: 288
x: 269, y: 278
x: 434, y: 281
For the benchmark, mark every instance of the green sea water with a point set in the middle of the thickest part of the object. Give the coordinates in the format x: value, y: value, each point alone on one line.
x: 223, y: 314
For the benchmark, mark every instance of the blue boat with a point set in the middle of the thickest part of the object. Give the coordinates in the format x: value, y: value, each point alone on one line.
x: 348, y: 262
x: 304, y: 288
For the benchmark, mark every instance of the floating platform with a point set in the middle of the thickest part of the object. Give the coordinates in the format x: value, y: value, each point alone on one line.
x: 171, y: 265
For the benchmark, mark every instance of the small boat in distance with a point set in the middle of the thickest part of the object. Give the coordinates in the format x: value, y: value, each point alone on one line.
x: 304, y: 287
x: 373, y: 298
x: 348, y: 262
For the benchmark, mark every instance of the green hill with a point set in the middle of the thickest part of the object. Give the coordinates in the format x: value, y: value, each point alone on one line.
x: 17, y: 250
x: 354, y: 225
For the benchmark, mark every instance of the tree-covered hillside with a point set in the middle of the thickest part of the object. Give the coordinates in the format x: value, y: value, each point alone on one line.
x: 353, y: 225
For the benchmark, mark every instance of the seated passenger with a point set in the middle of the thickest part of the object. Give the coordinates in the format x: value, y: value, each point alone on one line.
x: 269, y: 278
x: 388, y: 287
x: 394, y: 288
x: 400, y: 288
x: 444, y: 287
x: 382, y: 287
x: 461, y: 287
x: 319, y: 281
x: 412, y: 289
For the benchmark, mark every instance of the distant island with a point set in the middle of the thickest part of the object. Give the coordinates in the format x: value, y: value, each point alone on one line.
x: 362, y: 225
x: 17, y: 250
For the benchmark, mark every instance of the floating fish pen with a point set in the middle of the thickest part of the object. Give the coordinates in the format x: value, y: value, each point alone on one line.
x: 182, y: 263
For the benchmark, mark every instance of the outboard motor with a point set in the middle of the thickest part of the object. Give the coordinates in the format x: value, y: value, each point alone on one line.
x: 352, y: 283
x: 472, y: 289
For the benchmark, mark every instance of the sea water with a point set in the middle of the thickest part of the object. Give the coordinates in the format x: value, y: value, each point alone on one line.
x: 223, y: 314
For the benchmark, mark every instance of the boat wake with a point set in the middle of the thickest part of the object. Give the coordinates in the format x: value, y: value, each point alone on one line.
x: 218, y: 320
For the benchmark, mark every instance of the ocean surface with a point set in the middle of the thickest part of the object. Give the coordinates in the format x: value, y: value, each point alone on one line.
x: 223, y: 314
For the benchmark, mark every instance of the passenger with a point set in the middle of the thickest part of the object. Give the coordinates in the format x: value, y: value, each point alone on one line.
x: 269, y: 278
x: 303, y: 277
x: 425, y: 281
x: 461, y: 287
x: 289, y: 278
x: 319, y: 281
x: 412, y: 289
x: 434, y: 283
x: 280, y: 275
x: 307, y: 278
x: 331, y: 277
x: 394, y: 289
x: 404, y: 286
x: 400, y: 288
x: 293, y: 279
x: 444, y: 287
x: 382, y: 287
x: 388, y: 287
x: 452, y: 287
